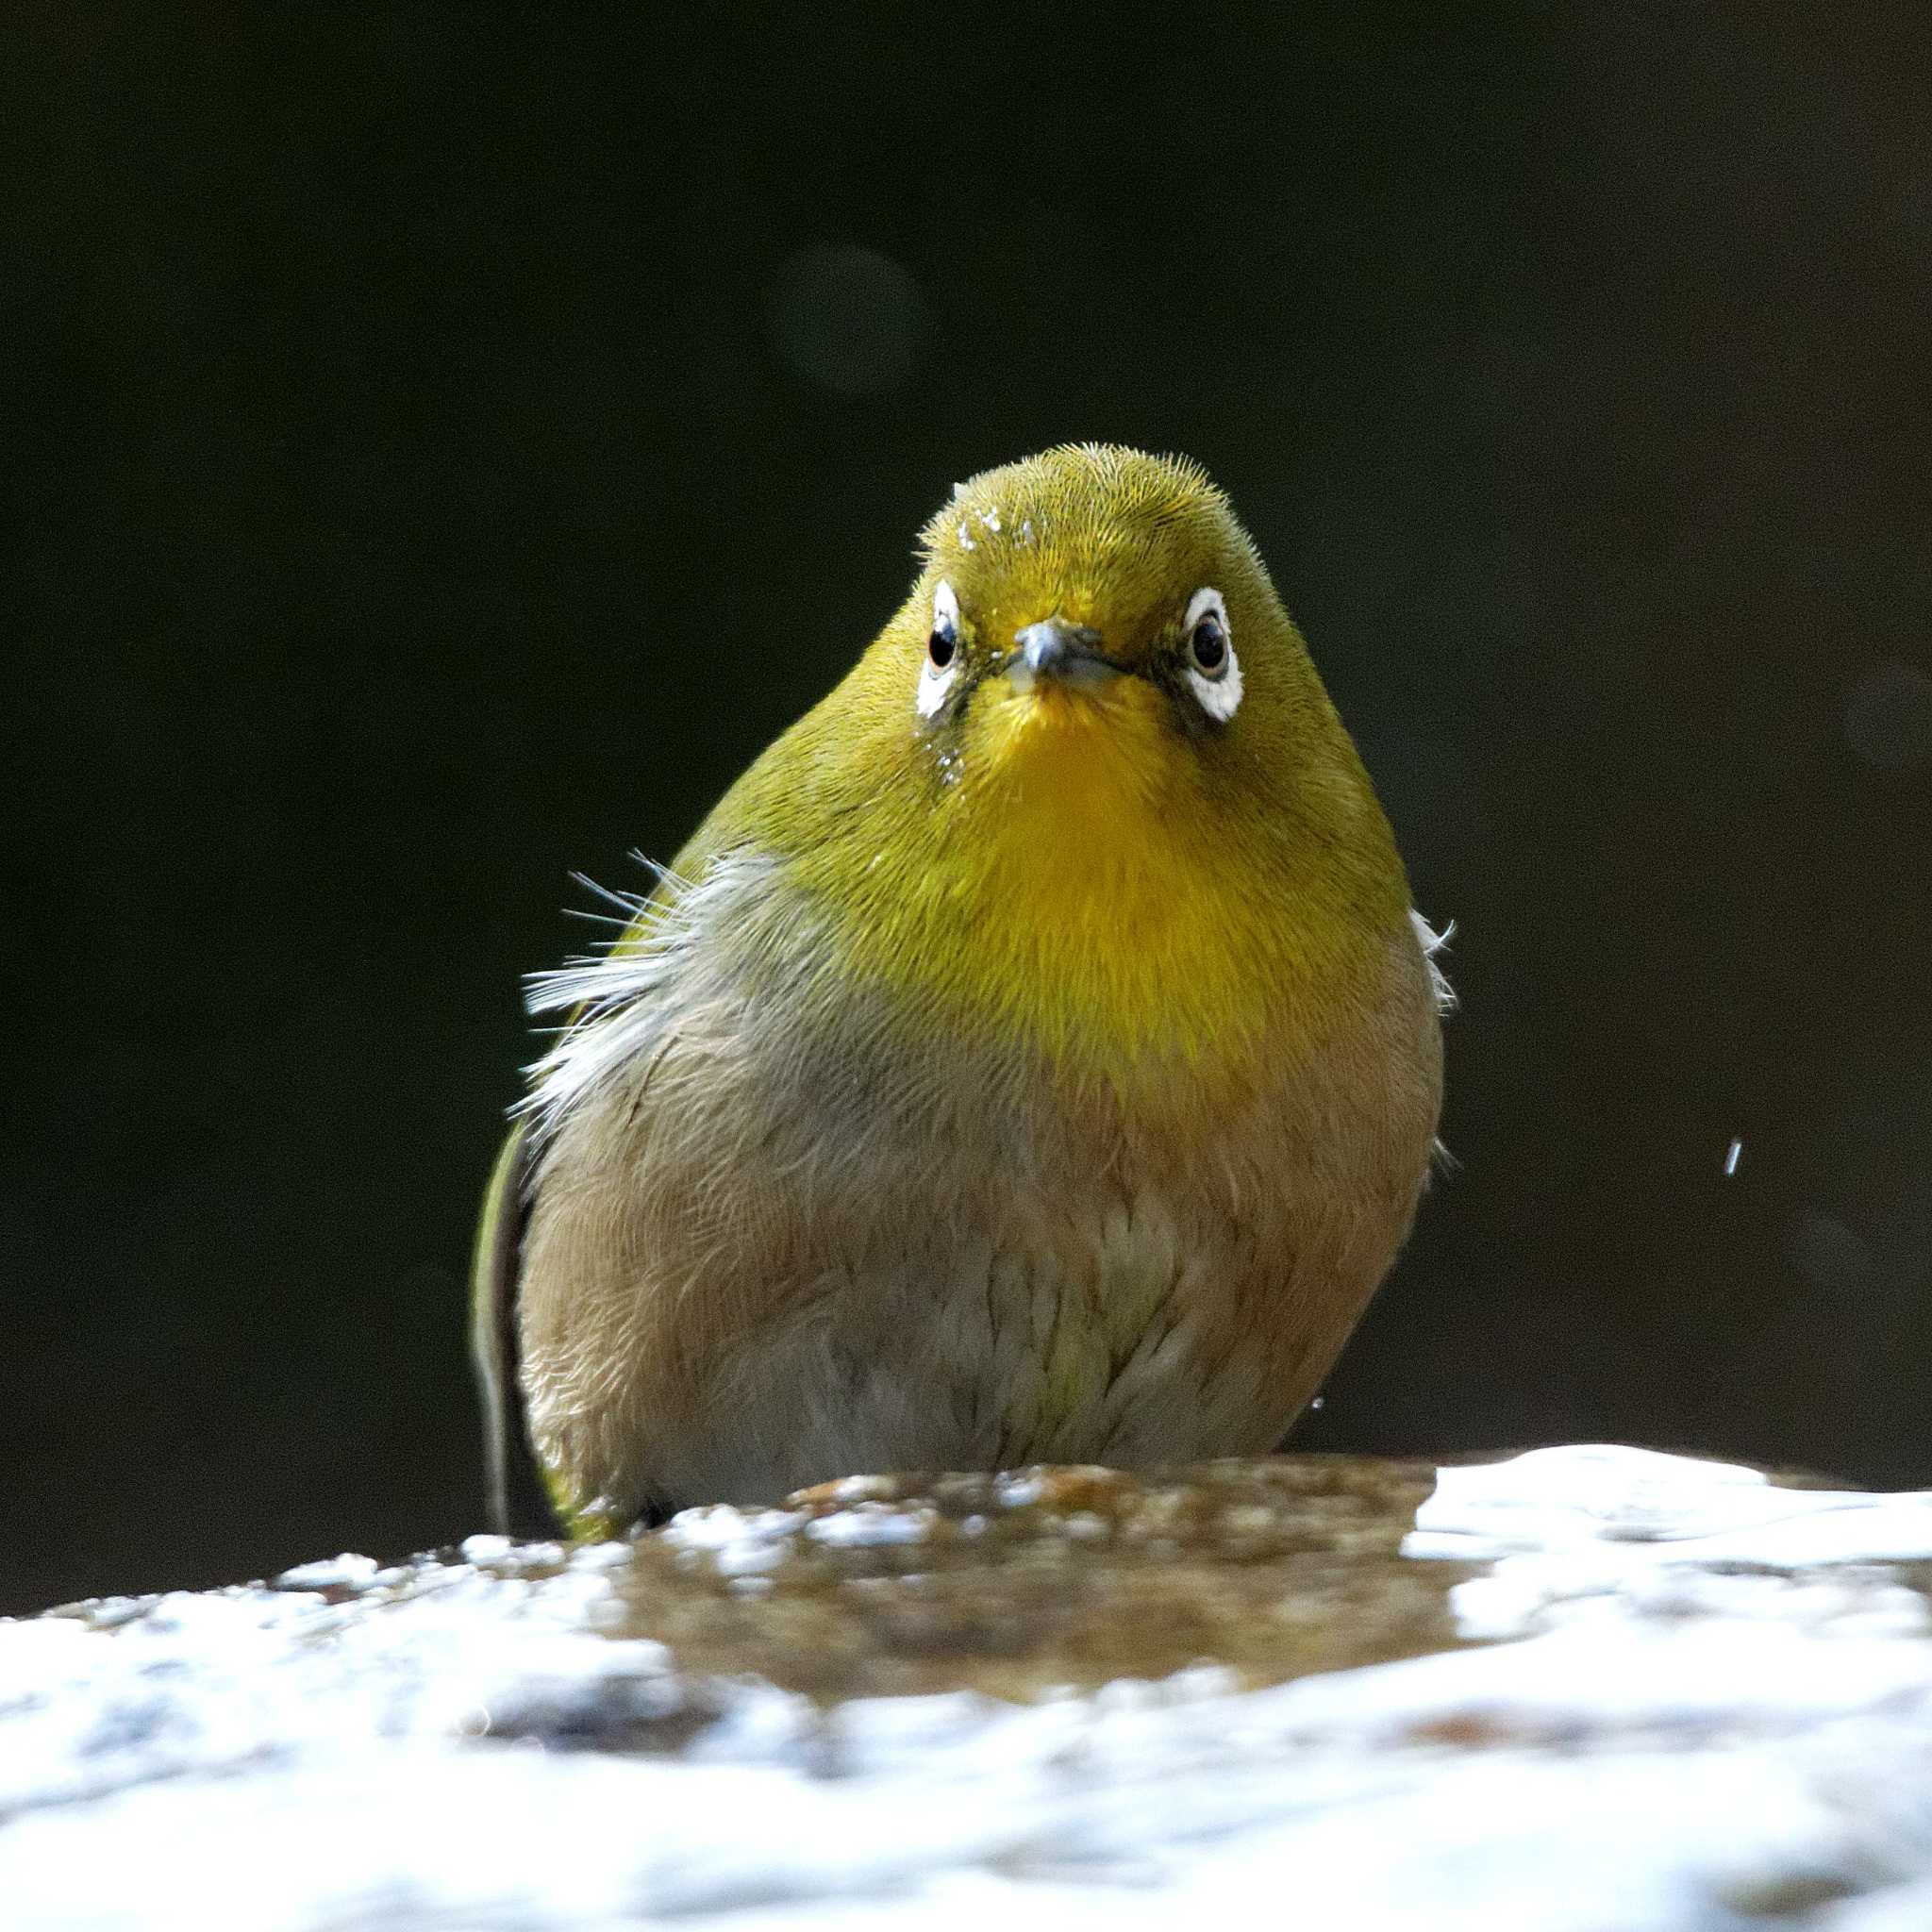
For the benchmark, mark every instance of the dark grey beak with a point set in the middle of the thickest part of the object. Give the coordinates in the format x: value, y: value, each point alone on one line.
x: 1069, y: 654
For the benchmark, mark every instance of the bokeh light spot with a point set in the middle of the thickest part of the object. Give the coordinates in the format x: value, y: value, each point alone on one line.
x: 848, y: 319
x: 1828, y: 1253
x: 1889, y: 717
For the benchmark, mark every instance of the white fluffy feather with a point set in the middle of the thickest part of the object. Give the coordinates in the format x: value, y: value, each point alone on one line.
x: 1432, y: 943
x: 611, y: 995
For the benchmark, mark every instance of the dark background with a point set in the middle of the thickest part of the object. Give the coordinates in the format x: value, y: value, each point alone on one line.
x: 438, y: 452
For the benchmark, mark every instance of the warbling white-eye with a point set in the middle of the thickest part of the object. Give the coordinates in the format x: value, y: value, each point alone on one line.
x: 1033, y: 1057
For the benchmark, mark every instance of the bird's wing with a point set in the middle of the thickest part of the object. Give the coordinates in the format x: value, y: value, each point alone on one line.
x: 518, y: 1494
x: 517, y: 1504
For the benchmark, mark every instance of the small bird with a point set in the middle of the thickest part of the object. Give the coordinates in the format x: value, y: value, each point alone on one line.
x: 1034, y: 1056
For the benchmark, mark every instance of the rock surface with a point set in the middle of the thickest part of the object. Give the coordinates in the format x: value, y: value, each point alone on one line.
x: 1584, y: 1689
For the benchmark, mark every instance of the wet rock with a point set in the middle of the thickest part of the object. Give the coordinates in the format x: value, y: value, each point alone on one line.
x: 1047, y: 1581
x: 1581, y: 1688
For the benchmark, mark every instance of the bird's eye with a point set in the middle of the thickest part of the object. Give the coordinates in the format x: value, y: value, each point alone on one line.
x: 1207, y: 646
x: 1214, y: 673
x: 940, y: 671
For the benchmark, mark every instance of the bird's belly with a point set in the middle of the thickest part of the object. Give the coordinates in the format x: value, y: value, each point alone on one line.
x: 1094, y: 1346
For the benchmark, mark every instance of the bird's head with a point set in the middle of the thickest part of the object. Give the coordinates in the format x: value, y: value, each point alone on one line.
x: 1095, y: 621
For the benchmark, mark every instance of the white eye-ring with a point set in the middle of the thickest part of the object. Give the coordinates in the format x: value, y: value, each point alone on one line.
x: 1214, y: 673
x: 943, y: 654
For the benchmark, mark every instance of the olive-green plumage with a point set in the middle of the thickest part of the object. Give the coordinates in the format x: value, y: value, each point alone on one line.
x: 1033, y: 1056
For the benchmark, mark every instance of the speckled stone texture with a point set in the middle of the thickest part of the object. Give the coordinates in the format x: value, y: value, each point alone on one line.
x: 1584, y: 1689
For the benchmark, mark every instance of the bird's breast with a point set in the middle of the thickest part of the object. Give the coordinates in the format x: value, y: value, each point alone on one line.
x: 1116, y: 945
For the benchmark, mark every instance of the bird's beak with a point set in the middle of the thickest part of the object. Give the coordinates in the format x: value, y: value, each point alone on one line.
x: 1059, y: 653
